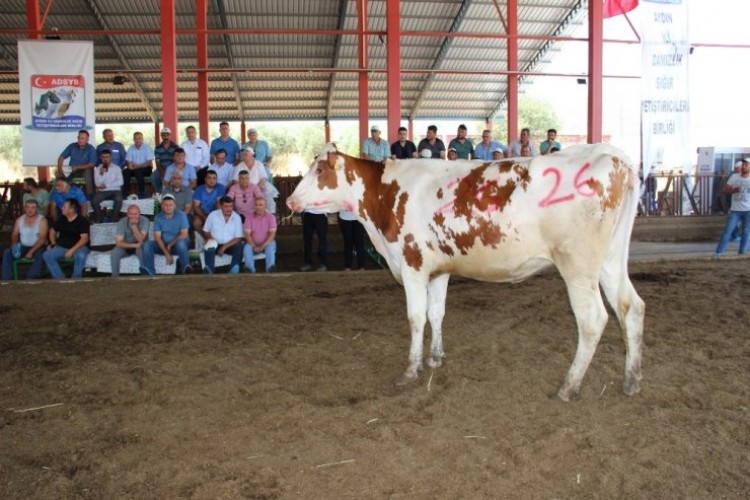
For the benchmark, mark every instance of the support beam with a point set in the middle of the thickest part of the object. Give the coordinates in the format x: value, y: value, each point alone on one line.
x: 201, y: 38
x: 512, y: 66
x: 393, y: 67
x: 169, y: 66
x: 442, y: 53
x: 35, y: 23
x: 596, y: 31
x: 336, y: 56
x: 219, y: 4
x: 410, y: 129
x: 363, y: 80
x: 328, y: 131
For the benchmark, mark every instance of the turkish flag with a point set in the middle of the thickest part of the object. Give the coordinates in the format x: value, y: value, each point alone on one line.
x: 614, y: 8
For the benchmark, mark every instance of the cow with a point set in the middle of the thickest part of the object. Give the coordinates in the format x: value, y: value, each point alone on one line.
x: 498, y: 221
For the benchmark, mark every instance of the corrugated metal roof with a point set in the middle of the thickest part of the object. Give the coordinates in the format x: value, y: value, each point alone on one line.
x: 302, y: 94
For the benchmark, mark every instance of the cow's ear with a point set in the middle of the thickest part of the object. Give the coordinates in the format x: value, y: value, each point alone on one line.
x: 333, y: 158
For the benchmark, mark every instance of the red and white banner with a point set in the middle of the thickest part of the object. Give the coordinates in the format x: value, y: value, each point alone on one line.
x: 56, y: 80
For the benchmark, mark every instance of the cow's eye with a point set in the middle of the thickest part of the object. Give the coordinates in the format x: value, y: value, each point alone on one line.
x: 318, y: 171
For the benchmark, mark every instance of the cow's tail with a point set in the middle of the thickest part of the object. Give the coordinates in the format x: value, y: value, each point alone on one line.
x: 619, y: 245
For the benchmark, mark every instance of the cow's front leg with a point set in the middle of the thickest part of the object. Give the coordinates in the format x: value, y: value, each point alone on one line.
x: 416, y: 310
x: 437, y: 290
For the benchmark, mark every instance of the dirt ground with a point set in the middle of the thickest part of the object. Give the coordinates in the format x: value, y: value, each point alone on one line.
x: 281, y: 386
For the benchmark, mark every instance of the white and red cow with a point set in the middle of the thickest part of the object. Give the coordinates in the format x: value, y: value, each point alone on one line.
x: 497, y: 221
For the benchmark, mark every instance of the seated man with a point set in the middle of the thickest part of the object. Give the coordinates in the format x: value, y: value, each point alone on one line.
x: 64, y: 191
x: 139, y: 158
x: 32, y: 191
x: 108, y: 180
x: 170, y: 238
x: 206, y: 200
x: 244, y: 195
x: 260, y: 236
x: 27, y: 241
x: 130, y: 236
x: 68, y: 238
x: 224, y: 227
x: 183, y: 196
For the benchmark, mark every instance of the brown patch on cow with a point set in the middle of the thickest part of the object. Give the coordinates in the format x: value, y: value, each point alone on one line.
x: 378, y: 203
x: 440, y: 194
x: 439, y: 219
x: 412, y: 253
x: 523, y: 175
x: 618, y: 184
x: 326, y: 175
x: 474, y: 193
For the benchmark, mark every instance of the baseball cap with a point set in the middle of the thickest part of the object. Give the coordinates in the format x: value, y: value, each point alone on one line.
x: 252, y: 131
x: 746, y: 160
x: 249, y: 148
x: 167, y: 197
x: 166, y: 130
x: 374, y: 128
x: 453, y: 149
x: 498, y: 150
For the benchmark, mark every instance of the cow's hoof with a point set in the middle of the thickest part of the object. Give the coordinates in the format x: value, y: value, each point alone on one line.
x: 566, y: 396
x: 406, y: 379
x: 433, y: 362
x: 631, y: 387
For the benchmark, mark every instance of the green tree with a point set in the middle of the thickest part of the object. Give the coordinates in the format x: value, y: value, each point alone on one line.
x: 10, y: 144
x: 534, y: 113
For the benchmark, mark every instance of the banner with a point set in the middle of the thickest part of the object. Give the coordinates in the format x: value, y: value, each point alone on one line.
x: 665, y: 99
x: 56, y: 82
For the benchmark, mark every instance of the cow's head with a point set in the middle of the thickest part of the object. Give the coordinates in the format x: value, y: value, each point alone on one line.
x: 324, y: 186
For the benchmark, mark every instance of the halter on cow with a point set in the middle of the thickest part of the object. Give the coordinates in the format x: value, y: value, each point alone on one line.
x: 499, y: 221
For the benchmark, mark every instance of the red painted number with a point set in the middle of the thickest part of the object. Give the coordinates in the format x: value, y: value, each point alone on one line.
x: 582, y: 187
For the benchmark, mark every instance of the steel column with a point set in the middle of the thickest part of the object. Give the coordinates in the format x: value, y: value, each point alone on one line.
x: 328, y: 131
x: 410, y: 129
x: 512, y: 66
x: 243, y: 132
x: 33, y: 22
x: 157, y: 133
x: 169, y: 66
x: 201, y: 13
x: 596, y: 35
x: 393, y: 65
x: 362, y: 55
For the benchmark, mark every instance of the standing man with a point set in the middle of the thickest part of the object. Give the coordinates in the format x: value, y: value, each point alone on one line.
x: 223, y: 168
x: 108, y: 178
x: 403, y: 148
x: 116, y: 150
x: 64, y: 191
x: 27, y: 241
x: 260, y: 237
x: 164, y: 157
x: 485, y: 150
x: 229, y: 145
x: 130, y: 236
x: 261, y: 149
x: 32, y: 191
x: 224, y: 228
x: 433, y: 144
x: 139, y: 161
x: 72, y: 242
x: 196, y: 153
x: 514, y: 148
x: 82, y: 160
x: 551, y: 142
x: 205, y: 201
x: 738, y: 186
x: 315, y: 221
x: 463, y: 146
x: 375, y: 148
x: 170, y: 238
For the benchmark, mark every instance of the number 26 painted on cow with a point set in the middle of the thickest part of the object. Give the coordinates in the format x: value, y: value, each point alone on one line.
x: 582, y: 187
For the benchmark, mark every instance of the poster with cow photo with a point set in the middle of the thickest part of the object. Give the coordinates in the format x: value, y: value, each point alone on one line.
x: 58, y: 101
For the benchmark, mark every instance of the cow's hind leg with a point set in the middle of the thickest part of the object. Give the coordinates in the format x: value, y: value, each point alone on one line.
x: 436, y: 293
x: 630, y: 310
x: 416, y: 309
x: 591, y: 317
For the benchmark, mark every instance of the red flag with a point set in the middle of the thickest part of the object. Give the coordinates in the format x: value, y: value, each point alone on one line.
x: 614, y: 8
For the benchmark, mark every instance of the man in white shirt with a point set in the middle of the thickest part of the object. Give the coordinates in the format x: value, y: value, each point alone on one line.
x: 224, y: 225
x: 224, y: 169
x: 108, y: 180
x: 197, y: 153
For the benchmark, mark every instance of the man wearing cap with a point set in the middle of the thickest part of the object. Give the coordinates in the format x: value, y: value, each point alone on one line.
x: 163, y: 157
x: 139, y: 162
x: 82, y: 160
x: 183, y: 195
x: 433, y: 143
x: 485, y: 150
x: 116, y: 149
x: 170, y: 238
x: 498, y: 154
x: 452, y: 154
x: 64, y: 191
x: 261, y: 149
x: 224, y: 227
x: 403, y: 148
x: 230, y: 147
x: 375, y: 148
x: 197, y: 153
x: 463, y: 146
x: 738, y: 186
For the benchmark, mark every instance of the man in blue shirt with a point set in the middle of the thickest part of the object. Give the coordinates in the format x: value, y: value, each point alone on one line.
x: 261, y: 151
x: 375, y: 148
x: 229, y: 145
x: 64, y: 191
x: 485, y: 149
x: 139, y: 160
x: 83, y: 158
x: 116, y: 150
x: 205, y: 201
x: 551, y: 143
x: 170, y: 238
x: 163, y: 157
